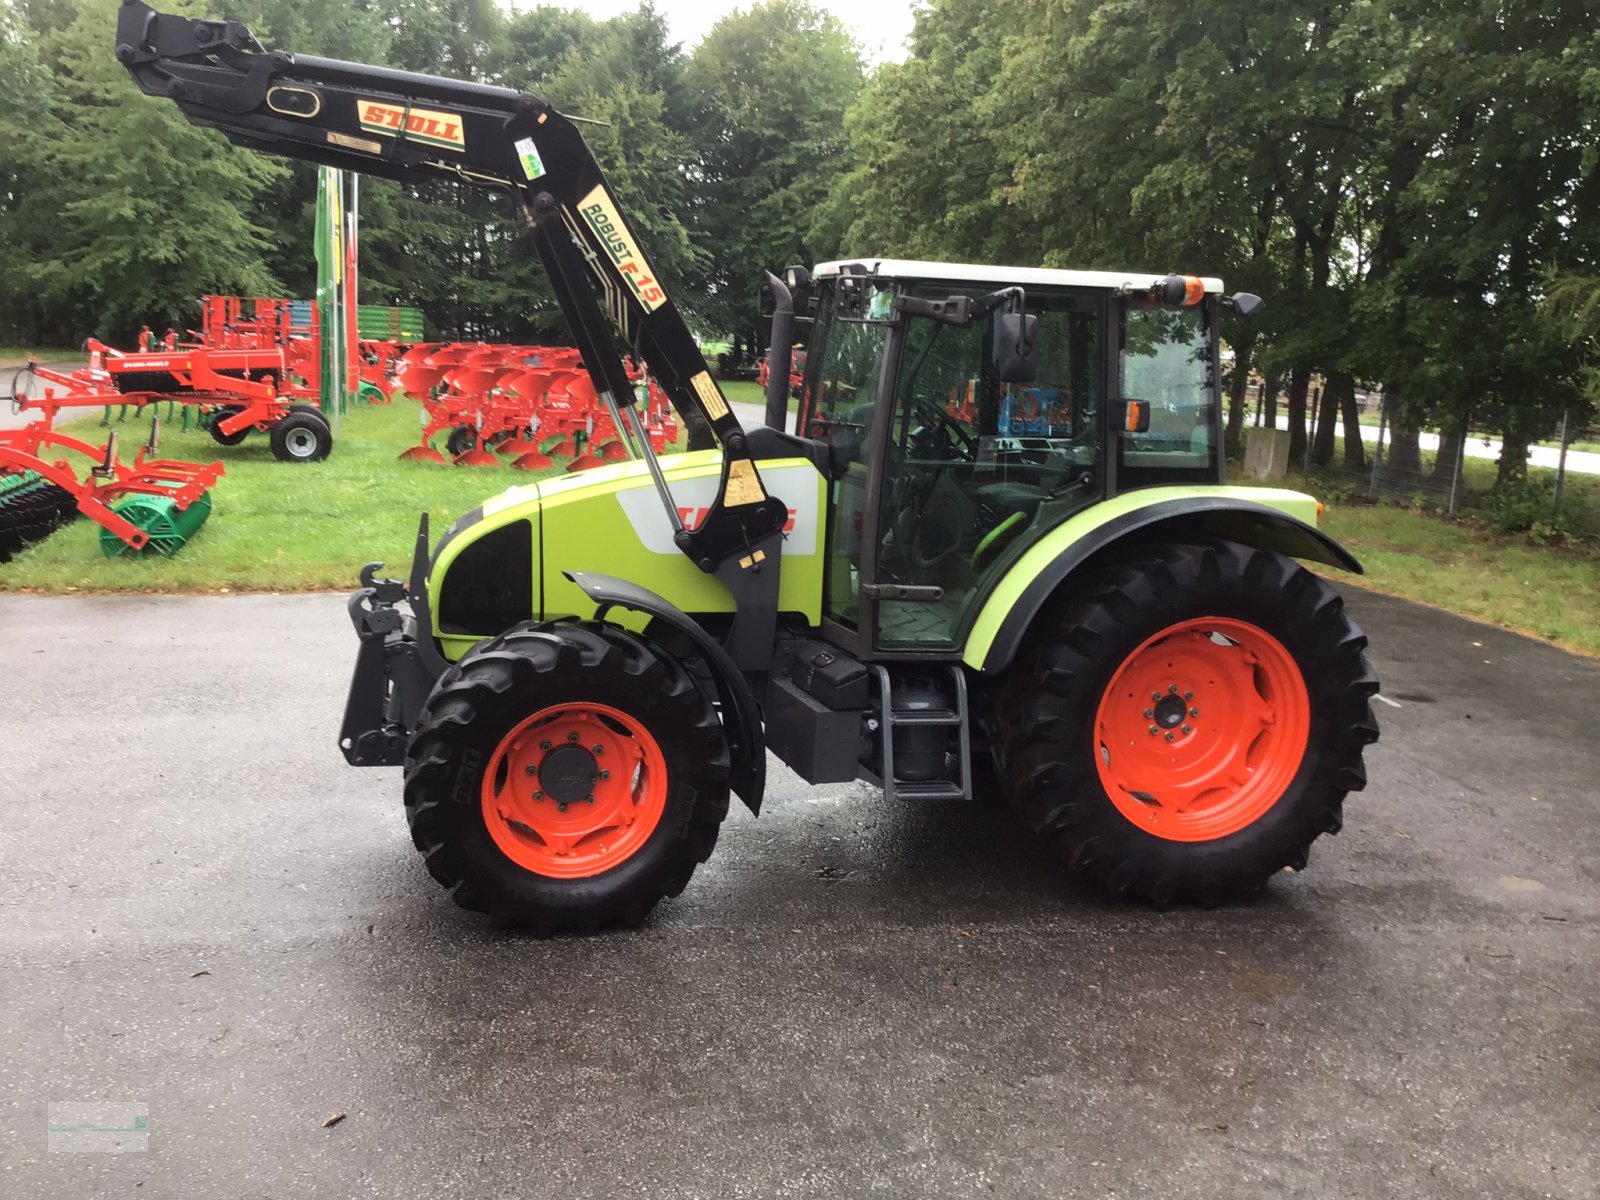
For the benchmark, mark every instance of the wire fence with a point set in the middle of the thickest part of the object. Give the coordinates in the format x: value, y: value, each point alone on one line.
x: 1553, y: 497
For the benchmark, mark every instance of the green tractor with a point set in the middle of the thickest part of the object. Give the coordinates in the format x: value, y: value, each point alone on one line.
x: 998, y: 547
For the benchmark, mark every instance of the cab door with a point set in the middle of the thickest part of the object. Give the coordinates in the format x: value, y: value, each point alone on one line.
x: 844, y: 371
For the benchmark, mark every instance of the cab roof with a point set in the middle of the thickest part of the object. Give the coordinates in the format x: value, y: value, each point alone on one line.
x: 903, y: 268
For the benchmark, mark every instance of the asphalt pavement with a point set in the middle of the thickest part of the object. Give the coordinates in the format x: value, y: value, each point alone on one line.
x: 205, y: 915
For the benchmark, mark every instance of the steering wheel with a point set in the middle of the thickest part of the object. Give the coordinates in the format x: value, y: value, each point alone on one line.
x: 951, y: 428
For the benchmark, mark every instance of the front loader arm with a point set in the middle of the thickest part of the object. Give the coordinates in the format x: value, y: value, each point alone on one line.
x: 411, y: 127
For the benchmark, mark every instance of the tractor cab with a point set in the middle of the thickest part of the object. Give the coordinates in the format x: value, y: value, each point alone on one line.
x: 968, y: 410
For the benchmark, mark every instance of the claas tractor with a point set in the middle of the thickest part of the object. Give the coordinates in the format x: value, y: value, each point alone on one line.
x: 997, y: 554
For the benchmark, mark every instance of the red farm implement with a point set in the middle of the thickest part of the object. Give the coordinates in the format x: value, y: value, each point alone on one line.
x: 522, y: 403
x: 797, y: 368
x: 246, y: 375
x: 151, y: 505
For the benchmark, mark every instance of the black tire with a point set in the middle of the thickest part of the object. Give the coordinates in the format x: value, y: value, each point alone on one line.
x: 1042, y: 721
x: 501, y: 683
x: 302, y: 435
x: 462, y: 438
x: 225, y: 439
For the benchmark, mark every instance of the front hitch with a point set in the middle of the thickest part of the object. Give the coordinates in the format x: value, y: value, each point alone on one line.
x: 397, y: 663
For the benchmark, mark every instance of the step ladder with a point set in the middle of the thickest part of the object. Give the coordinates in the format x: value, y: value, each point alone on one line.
x: 891, y: 718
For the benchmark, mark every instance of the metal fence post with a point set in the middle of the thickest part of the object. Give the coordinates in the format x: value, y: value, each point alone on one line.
x: 1377, y: 452
x: 1561, y: 463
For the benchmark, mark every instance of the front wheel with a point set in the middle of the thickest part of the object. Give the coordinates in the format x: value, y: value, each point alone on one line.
x: 566, y: 777
x: 1190, y: 725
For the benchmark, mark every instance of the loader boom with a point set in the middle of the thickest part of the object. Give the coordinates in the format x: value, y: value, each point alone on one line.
x: 411, y: 127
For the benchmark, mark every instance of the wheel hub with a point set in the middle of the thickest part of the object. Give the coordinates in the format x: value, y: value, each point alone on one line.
x: 569, y: 773
x: 1170, y: 711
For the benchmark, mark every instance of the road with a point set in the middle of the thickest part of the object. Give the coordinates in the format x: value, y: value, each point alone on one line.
x: 207, y: 913
x: 1583, y: 462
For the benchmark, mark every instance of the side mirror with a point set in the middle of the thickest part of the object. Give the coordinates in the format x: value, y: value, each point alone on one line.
x: 1245, y: 304
x: 1015, y: 336
x: 1135, y: 416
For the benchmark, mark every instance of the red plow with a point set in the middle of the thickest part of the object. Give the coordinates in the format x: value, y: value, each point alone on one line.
x: 522, y: 405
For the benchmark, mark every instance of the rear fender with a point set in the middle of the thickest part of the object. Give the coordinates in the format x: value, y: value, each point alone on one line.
x: 1052, y: 565
x: 741, y: 718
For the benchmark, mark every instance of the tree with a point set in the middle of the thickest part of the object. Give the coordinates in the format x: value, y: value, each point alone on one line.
x: 153, y: 212
x: 769, y: 89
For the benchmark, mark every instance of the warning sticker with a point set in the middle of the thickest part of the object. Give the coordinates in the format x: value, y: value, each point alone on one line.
x: 744, y: 485
x: 528, y: 156
x: 710, y: 396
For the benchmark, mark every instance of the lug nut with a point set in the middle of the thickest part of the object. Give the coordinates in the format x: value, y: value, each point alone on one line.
x: 1154, y: 731
x: 605, y: 774
x: 1188, y: 695
x: 572, y: 737
x: 1149, y: 712
x: 1155, y: 695
x: 545, y: 746
x: 533, y: 770
x: 1194, y: 712
x: 538, y: 795
x: 1169, y: 737
x: 1172, y: 689
x: 597, y: 748
x: 1186, y: 729
x: 590, y: 797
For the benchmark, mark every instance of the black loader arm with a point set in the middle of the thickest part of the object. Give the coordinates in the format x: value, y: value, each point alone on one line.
x: 412, y: 127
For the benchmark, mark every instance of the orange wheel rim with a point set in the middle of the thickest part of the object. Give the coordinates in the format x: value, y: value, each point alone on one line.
x: 574, y: 790
x: 1202, y: 729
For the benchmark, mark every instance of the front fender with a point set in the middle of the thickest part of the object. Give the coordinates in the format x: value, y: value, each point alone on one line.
x: 741, y: 718
x: 1267, y: 518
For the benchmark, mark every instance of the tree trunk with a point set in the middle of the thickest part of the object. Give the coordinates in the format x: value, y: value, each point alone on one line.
x: 1403, y: 451
x: 1269, y: 399
x: 1238, y: 392
x: 1513, y: 465
x: 1355, y: 451
x: 1451, y: 437
x: 1299, y: 386
x: 1334, y: 388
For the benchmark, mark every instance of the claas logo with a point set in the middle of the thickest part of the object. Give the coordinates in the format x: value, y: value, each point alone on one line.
x: 420, y: 124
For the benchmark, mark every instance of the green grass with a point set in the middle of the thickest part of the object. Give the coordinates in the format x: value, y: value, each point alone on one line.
x: 1462, y: 565
x: 743, y: 391
x: 17, y: 356
x: 277, y: 526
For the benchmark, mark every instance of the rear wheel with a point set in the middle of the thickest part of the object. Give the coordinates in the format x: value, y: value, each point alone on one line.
x: 566, y: 777
x: 301, y: 435
x: 1191, y: 725
x: 462, y: 438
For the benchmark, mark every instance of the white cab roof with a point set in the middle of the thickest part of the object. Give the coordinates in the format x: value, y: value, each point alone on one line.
x: 901, y: 268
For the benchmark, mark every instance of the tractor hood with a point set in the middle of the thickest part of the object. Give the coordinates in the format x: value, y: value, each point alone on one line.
x: 502, y: 563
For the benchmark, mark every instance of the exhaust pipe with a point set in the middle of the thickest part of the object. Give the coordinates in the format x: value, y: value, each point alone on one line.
x: 780, y: 353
